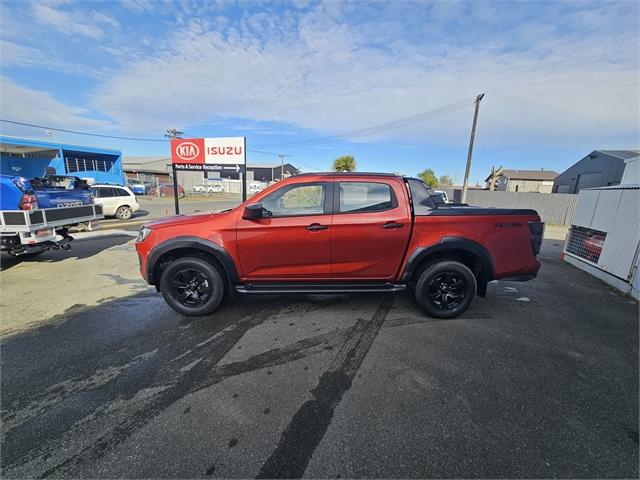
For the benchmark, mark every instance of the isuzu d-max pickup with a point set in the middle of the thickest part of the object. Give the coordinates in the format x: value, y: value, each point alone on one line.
x: 340, y: 232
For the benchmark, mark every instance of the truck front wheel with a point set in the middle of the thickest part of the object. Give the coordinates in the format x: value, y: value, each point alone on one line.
x: 445, y: 289
x: 192, y: 286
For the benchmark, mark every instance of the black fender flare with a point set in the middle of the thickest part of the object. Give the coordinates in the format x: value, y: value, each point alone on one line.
x: 452, y: 243
x: 196, y: 243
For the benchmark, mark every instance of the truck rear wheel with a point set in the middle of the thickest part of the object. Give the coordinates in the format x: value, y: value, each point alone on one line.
x: 192, y: 286
x: 445, y: 289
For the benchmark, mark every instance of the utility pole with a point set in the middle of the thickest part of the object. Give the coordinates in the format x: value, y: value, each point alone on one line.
x: 282, y: 156
x: 473, y: 136
x: 172, y: 134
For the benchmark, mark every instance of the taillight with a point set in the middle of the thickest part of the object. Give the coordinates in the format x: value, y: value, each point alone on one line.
x: 28, y: 202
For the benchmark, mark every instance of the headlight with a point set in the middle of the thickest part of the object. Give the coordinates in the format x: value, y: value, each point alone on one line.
x: 143, y: 233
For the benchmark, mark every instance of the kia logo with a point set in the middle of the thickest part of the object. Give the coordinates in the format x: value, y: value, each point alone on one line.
x: 187, y: 151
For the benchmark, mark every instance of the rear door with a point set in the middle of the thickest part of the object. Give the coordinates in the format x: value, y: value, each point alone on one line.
x: 292, y: 240
x: 107, y: 197
x: 370, y: 229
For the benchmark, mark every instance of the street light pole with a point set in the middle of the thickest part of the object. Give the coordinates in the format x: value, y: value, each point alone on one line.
x: 473, y: 136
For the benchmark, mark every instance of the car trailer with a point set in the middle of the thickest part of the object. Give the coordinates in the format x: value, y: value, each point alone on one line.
x: 34, y: 231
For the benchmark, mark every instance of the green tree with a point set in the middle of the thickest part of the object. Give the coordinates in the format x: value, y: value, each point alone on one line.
x: 428, y: 176
x: 346, y: 163
x: 445, y: 181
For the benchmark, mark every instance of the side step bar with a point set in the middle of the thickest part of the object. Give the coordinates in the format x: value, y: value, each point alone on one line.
x: 257, y: 288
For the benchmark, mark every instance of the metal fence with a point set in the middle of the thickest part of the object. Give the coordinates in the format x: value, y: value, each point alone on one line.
x: 553, y: 208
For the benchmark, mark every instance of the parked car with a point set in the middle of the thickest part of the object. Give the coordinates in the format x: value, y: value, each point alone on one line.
x: 166, y: 189
x: 35, y: 211
x: 255, y: 187
x: 137, y: 188
x: 209, y: 188
x: 443, y: 195
x: 340, y: 232
x: 116, y: 201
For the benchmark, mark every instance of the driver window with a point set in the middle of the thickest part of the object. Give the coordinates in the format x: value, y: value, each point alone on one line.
x: 294, y: 200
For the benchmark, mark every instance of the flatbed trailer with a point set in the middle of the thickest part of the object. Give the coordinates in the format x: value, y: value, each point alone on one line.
x: 33, y: 231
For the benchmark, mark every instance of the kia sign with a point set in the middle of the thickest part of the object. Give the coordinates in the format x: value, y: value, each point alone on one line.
x: 209, y: 151
x: 188, y: 151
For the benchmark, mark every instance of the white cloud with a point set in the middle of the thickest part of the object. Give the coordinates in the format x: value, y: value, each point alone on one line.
x: 73, y: 22
x: 22, y: 104
x: 322, y: 74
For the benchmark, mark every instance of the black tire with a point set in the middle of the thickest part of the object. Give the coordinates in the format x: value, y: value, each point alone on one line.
x: 445, y: 289
x: 192, y: 286
x: 124, y: 213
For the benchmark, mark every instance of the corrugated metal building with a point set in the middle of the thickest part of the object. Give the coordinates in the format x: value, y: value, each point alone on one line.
x: 33, y: 158
x: 601, y: 168
x: 604, y: 238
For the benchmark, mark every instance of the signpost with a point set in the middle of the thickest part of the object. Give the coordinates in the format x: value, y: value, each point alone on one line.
x: 210, y: 155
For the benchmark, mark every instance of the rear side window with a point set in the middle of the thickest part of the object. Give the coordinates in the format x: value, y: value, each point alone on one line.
x: 424, y: 198
x: 362, y: 197
x: 104, y: 192
x: 121, y: 192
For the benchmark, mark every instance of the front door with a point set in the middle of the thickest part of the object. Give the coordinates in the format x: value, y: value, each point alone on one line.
x: 292, y: 239
x: 370, y: 229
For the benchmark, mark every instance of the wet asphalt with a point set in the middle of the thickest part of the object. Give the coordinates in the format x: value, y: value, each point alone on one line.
x: 540, y: 379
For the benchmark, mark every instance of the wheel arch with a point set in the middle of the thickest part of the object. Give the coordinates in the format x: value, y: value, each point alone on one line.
x: 164, y: 253
x: 467, y: 251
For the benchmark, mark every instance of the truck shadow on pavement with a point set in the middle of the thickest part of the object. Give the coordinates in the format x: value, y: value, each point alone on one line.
x: 80, y: 249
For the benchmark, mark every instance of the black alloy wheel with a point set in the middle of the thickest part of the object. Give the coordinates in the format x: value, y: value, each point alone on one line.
x: 445, y: 289
x: 192, y: 286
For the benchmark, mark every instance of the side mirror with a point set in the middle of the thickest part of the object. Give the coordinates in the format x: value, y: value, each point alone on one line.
x: 252, y: 212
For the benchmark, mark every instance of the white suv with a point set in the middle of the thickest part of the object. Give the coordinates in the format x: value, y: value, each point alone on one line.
x: 116, y: 201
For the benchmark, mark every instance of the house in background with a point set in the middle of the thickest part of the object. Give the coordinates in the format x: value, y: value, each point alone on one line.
x: 601, y: 168
x: 525, y: 181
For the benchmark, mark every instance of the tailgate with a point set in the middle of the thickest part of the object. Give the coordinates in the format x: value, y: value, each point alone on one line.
x: 57, y: 198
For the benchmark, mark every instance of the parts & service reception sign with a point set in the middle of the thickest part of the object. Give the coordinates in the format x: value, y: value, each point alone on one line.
x: 209, y: 153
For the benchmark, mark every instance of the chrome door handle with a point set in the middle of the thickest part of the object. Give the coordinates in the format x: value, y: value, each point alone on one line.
x: 314, y: 227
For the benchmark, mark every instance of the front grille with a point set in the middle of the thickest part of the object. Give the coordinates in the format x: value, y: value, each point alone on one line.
x: 586, y: 243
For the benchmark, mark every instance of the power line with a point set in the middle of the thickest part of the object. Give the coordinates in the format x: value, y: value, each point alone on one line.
x: 402, y: 122
x: 75, y: 132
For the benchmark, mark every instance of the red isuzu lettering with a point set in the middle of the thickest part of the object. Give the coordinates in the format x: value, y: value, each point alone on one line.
x: 337, y: 232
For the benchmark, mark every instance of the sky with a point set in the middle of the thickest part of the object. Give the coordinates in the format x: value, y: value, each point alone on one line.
x: 309, y: 78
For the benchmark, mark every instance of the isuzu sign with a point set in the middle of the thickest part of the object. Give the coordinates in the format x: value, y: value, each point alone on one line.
x: 209, y: 151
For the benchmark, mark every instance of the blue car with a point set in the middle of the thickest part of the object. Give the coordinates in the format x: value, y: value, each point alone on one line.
x: 137, y: 188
